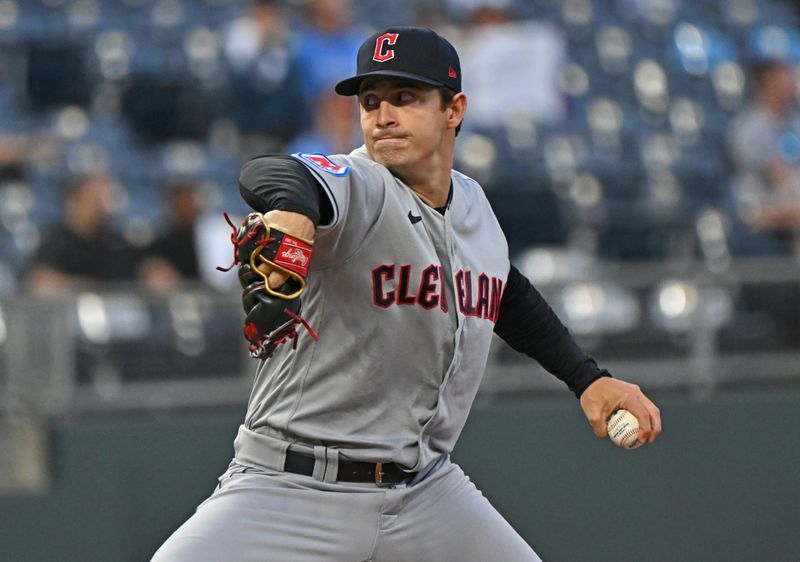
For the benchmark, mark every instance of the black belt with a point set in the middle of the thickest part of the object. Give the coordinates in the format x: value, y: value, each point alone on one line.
x: 381, y: 473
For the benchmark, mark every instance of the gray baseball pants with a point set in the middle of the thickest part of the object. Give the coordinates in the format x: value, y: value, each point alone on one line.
x: 266, y: 515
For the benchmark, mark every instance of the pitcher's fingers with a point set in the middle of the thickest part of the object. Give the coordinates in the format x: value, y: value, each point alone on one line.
x: 599, y: 422
x: 276, y: 279
x: 655, y: 420
x: 600, y: 427
x: 649, y: 417
x: 637, y: 405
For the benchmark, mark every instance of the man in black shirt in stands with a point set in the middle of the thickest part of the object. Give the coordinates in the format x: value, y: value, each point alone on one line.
x: 82, y: 251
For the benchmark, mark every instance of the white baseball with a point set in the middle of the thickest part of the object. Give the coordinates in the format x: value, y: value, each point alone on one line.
x: 623, y: 429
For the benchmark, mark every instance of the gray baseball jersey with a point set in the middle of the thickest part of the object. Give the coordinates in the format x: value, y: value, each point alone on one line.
x: 404, y: 300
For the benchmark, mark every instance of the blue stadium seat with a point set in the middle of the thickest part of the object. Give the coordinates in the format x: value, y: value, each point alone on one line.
x: 613, y: 49
x: 728, y: 82
x: 537, y: 9
x: 779, y: 12
x: 698, y: 49
x: 577, y: 19
x: 216, y: 13
x: 20, y: 21
x: 378, y: 14
x: 111, y: 57
x: 740, y: 15
x: 775, y: 41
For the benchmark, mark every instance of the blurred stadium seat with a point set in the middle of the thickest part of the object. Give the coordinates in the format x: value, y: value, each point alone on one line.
x: 124, y: 339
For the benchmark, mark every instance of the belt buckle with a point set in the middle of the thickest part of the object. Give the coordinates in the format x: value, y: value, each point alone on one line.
x: 379, y: 474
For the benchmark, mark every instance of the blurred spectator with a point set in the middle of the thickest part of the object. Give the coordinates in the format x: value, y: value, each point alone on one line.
x: 17, y: 151
x: 194, y: 242
x: 83, y: 250
x: 335, y: 130
x: 265, y: 96
x: 13, y: 150
x: 327, y: 45
x: 171, y: 260
x: 512, y: 67
x: 765, y: 146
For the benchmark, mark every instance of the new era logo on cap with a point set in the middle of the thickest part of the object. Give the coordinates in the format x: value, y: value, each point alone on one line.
x: 417, y: 53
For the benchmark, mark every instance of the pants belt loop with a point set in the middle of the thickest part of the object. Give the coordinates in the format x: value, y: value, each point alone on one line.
x: 319, y: 463
x: 326, y: 464
x: 331, y: 465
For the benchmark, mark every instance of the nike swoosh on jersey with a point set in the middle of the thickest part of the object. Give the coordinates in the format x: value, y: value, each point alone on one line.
x: 414, y: 219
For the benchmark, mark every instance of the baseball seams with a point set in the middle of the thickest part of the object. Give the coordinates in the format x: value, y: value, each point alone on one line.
x: 628, y: 438
x: 615, y: 421
x: 623, y: 429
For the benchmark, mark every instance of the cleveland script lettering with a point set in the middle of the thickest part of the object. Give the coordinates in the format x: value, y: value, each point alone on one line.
x: 478, y: 296
x: 482, y: 301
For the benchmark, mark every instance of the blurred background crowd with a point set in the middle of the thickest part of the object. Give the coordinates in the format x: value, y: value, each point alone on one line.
x: 641, y: 155
x: 623, y: 130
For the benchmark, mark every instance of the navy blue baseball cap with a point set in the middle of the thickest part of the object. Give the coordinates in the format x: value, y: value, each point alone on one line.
x: 417, y: 53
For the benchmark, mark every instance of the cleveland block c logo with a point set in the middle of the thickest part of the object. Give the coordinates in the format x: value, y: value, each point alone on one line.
x: 382, y: 53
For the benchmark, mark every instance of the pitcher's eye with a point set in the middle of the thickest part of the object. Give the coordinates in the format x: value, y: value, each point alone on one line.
x: 369, y: 101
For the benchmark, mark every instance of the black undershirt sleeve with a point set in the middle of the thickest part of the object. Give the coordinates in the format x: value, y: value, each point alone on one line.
x: 279, y: 182
x: 528, y: 324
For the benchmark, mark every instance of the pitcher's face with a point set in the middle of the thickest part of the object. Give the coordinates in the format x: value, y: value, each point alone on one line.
x: 403, y: 121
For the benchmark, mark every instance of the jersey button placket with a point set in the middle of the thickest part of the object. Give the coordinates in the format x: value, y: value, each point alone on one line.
x: 451, y: 249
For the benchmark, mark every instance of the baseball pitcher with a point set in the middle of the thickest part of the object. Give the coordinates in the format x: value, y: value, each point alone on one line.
x: 372, y: 285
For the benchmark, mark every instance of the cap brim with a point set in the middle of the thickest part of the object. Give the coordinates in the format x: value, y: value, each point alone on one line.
x: 350, y: 86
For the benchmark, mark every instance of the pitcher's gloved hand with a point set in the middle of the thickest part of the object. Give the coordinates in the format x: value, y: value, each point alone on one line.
x: 272, y: 313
